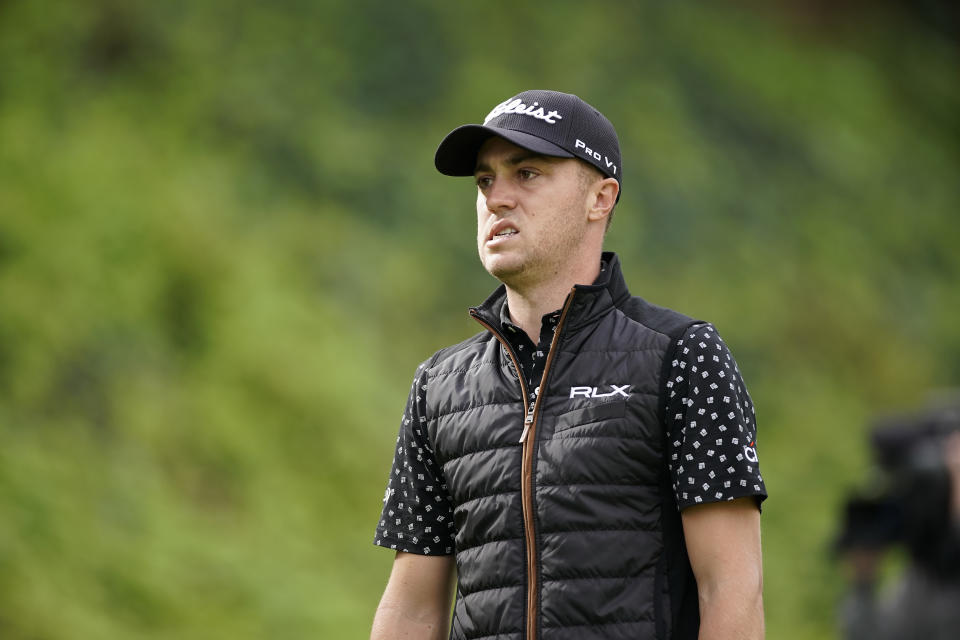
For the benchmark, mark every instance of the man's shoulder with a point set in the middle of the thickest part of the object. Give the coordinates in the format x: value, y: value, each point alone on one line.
x: 456, y: 355
x: 663, y: 320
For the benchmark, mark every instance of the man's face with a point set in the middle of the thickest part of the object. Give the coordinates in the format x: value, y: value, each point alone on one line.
x: 531, y: 212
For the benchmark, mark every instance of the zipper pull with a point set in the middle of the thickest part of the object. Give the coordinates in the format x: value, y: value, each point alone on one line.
x: 526, y: 424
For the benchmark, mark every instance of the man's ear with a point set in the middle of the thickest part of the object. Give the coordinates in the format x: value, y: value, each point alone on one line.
x: 603, y: 196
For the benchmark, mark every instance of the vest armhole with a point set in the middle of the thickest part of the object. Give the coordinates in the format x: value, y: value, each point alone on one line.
x: 679, y: 616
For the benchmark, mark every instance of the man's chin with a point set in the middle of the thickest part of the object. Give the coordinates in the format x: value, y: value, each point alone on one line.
x: 503, y: 268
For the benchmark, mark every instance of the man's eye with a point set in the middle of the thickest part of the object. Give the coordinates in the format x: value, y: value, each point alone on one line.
x: 527, y: 174
x: 484, y: 181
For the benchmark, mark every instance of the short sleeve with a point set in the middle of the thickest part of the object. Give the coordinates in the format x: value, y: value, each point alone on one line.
x: 417, y: 514
x: 711, y: 423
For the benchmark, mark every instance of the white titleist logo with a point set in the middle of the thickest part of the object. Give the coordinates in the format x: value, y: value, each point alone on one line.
x: 516, y: 106
x: 591, y: 392
x: 596, y: 155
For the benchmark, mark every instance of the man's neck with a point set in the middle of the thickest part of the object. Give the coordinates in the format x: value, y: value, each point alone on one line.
x: 528, y: 305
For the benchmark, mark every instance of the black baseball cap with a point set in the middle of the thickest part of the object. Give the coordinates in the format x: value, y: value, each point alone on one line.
x: 546, y: 122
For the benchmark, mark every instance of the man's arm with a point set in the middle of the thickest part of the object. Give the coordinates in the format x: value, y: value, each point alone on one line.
x: 416, y: 602
x: 723, y: 542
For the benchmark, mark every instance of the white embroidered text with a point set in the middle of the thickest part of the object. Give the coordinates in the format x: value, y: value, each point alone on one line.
x: 516, y: 106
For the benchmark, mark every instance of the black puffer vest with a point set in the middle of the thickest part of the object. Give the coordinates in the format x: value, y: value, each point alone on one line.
x: 566, y: 525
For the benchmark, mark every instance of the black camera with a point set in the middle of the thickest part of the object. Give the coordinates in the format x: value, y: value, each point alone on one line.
x: 909, y: 502
x: 915, y: 442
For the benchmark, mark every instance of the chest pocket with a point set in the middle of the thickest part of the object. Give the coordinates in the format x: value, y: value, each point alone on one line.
x: 579, y: 421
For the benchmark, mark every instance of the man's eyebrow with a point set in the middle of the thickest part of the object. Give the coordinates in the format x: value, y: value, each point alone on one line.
x: 514, y: 160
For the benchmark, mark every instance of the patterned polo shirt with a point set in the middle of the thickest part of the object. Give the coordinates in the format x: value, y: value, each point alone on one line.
x: 710, y: 418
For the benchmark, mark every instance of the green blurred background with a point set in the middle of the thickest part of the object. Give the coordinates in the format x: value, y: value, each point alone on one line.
x: 224, y: 249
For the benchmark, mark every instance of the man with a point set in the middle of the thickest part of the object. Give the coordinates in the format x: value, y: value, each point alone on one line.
x: 585, y: 466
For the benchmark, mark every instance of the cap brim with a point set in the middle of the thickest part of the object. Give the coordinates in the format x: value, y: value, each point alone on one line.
x: 457, y: 153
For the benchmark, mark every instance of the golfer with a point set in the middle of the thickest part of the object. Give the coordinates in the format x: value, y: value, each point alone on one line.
x: 586, y: 466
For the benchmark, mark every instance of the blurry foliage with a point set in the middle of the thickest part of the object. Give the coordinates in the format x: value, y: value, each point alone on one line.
x: 223, y: 250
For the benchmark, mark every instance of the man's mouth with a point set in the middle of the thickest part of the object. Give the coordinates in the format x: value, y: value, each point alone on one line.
x: 501, y: 231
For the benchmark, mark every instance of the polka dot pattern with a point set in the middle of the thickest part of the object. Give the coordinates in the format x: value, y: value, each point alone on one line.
x: 713, y: 448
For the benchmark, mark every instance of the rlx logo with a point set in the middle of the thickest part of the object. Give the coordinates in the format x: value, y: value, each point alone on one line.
x: 591, y: 392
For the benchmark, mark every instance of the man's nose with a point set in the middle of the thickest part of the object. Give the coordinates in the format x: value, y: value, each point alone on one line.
x: 501, y: 196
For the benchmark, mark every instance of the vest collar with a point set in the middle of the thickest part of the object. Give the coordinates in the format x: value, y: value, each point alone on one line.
x: 591, y: 301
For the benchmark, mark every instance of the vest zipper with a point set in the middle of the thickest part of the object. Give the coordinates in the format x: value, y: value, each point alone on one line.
x: 527, y: 440
x: 527, y: 421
